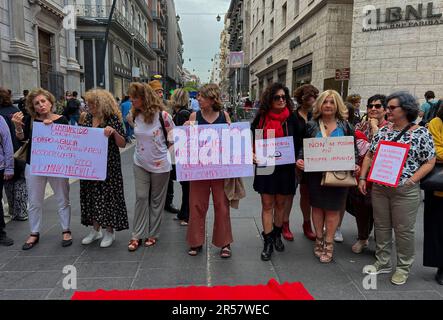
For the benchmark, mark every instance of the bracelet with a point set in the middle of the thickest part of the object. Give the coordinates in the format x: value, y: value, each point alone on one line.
x: 362, y: 178
x: 19, y: 132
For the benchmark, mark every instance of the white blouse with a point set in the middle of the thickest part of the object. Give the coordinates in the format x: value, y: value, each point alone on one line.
x: 151, y: 152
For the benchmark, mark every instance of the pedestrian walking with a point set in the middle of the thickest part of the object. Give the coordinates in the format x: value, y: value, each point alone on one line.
x: 276, y: 116
x: 152, y: 165
x: 211, y: 112
x: 433, y: 218
x: 305, y: 97
x: 39, y: 104
x: 355, y: 101
x: 6, y: 173
x: 396, y: 208
x: 328, y: 120
x: 103, y: 202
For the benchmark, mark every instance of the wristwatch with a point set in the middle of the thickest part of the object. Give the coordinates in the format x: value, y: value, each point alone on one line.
x: 362, y: 178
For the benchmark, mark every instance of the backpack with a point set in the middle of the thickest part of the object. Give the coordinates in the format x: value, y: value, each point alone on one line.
x: 432, y: 113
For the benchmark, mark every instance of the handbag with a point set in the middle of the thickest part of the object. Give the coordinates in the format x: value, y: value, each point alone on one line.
x: 21, y: 155
x: 434, y: 179
x: 336, y: 178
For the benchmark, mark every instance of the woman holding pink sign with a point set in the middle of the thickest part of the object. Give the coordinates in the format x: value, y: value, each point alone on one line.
x: 327, y: 201
x: 276, y: 184
x: 103, y: 202
x: 39, y: 104
x: 396, y: 206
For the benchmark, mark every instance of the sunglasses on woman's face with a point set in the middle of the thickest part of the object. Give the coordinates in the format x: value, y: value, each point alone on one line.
x: 393, y: 107
x: 376, y: 106
x: 278, y: 98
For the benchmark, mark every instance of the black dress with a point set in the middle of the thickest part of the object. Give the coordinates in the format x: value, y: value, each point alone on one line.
x: 104, y: 201
x: 433, y: 231
x: 283, y: 179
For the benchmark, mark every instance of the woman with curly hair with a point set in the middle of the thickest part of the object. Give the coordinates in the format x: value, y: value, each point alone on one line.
x: 39, y: 104
x: 276, y: 185
x: 152, y: 165
x: 103, y: 202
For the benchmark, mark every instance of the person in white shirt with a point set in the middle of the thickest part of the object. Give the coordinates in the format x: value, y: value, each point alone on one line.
x: 152, y: 163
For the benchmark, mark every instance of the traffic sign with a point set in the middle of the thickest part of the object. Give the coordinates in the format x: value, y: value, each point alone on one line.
x: 342, y: 74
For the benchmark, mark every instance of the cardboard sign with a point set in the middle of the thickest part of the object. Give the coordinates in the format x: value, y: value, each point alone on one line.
x: 216, y: 151
x: 329, y: 154
x: 64, y: 151
x: 388, y: 163
x: 274, y: 152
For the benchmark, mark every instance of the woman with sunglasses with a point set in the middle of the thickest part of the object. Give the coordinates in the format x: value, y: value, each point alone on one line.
x: 395, y: 208
x: 360, y: 205
x: 276, y: 184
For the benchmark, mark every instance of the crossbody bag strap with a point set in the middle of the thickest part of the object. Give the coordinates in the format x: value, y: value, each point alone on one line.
x: 322, y: 128
x: 401, y: 134
x: 162, y: 122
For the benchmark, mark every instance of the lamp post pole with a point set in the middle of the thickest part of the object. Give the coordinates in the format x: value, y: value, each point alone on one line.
x: 105, y: 45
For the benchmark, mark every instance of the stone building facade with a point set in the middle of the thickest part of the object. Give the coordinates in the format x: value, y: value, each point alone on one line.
x: 300, y: 41
x: 36, y: 50
x: 400, y: 49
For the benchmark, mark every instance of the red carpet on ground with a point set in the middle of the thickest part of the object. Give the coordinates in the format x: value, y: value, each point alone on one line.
x: 272, y: 291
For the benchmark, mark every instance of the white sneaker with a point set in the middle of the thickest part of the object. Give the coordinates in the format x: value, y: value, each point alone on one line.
x: 108, y: 239
x: 338, y: 237
x: 92, y: 236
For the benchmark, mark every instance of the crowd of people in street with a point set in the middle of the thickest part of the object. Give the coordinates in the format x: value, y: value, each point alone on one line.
x: 145, y: 116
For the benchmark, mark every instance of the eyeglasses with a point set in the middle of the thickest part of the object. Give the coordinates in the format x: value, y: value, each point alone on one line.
x: 393, y: 107
x: 278, y: 98
x: 376, y: 106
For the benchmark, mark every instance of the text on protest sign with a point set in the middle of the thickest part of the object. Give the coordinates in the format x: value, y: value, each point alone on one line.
x: 329, y: 154
x: 64, y: 151
x: 275, y: 152
x: 215, y: 151
x: 388, y: 163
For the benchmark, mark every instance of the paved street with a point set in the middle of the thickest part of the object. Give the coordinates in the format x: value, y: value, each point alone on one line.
x: 37, y: 274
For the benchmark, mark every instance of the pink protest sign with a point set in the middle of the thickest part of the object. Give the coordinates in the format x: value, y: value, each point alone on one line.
x: 275, y: 152
x: 388, y: 163
x: 216, y: 151
x: 64, y: 151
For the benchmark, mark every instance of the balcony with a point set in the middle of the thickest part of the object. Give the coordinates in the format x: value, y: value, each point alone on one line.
x: 158, y: 48
x: 99, y: 15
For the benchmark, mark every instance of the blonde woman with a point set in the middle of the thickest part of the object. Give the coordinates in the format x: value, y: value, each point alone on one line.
x: 179, y: 104
x: 326, y: 202
x: 103, y: 202
x: 39, y: 104
x: 152, y: 165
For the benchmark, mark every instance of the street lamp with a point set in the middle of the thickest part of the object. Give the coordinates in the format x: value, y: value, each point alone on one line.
x: 218, y: 18
x: 178, y: 18
x: 105, y: 45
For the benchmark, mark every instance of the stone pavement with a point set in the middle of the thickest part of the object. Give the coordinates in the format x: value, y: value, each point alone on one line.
x: 37, y: 274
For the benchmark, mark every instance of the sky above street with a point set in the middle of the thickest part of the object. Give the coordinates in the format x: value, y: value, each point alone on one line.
x: 201, y: 32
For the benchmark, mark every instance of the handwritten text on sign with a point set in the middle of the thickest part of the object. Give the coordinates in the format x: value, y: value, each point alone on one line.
x: 388, y: 163
x: 216, y: 151
x: 329, y: 154
x: 274, y: 152
x: 69, y: 152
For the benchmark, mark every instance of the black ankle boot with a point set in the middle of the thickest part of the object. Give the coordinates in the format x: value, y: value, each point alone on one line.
x: 439, y: 276
x: 268, y: 246
x: 278, y: 243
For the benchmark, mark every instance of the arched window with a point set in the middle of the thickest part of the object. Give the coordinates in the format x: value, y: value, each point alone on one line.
x: 117, y: 55
x: 132, y: 14
x: 126, y: 60
x: 139, y: 22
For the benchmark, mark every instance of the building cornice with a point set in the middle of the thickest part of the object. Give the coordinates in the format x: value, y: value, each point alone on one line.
x: 48, y: 6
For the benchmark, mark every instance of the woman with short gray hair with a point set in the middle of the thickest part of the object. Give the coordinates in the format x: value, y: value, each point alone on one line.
x: 395, y: 208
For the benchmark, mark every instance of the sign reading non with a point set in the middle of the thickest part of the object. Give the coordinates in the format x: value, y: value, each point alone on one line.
x: 342, y: 74
x: 388, y: 163
x: 216, y: 151
x: 329, y: 154
x: 64, y: 151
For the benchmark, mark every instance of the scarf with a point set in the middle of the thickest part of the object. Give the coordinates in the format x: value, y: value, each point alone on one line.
x: 274, y: 121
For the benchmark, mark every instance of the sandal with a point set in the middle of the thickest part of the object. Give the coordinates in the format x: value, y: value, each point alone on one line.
x: 149, y: 242
x: 195, y: 250
x: 225, y: 252
x: 318, y: 247
x: 134, y: 244
x: 326, y: 257
x: 184, y: 223
x: 66, y: 243
x: 30, y: 245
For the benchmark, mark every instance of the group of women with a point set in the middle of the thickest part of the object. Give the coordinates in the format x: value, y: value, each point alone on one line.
x: 317, y: 115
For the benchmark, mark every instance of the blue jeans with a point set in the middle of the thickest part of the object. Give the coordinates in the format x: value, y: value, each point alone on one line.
x: 129, y: 131
x: 74, y: 119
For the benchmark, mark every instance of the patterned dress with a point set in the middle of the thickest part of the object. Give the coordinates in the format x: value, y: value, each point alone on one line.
x: 104, y: 201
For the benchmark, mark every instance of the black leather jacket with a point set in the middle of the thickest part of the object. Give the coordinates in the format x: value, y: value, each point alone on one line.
x: 313, y: 129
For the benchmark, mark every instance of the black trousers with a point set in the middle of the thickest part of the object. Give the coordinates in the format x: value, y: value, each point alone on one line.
x: 170, y: 193
x: 184, y: 209
x: 2, y: 213
x: 433, y: 231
